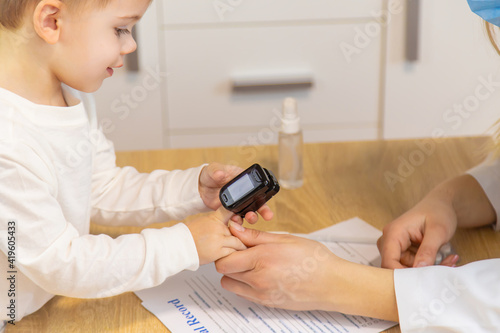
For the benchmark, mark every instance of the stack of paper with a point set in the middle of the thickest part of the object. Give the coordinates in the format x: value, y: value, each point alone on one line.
x: 195, y: 301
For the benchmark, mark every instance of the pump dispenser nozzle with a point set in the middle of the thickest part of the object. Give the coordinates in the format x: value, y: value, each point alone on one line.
x: 290, y: 123
x: 290, y: 146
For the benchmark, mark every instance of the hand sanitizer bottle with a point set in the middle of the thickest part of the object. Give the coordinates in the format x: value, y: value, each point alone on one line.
x: 290, y: 147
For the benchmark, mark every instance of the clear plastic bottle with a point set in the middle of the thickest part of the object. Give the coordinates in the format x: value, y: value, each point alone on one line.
x: 290, y: 147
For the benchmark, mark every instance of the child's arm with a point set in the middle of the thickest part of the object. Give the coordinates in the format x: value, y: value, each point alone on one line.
x: 60, y: 258
x: 123, y: 196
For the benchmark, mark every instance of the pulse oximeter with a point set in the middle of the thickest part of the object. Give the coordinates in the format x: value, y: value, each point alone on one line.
x: 249, y: 191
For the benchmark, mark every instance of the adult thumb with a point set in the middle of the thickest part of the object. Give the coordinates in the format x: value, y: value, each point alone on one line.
x: 427, y: 251
x: 250, y: 237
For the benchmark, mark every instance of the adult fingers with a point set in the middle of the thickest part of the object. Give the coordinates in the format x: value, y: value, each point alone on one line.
x: 234, y: 243
x: 238, y: 287
x: 252, y: 237
x: 450, y: 260
x: 390, y: 251
x: 407, y: 258
x: 237, y: 262
x: 428, y: 249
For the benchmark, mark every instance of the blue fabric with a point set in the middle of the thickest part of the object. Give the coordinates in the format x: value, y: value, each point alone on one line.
x: 489, y: 10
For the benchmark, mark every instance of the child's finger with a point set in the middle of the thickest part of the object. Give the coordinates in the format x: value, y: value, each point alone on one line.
x: 234, y: 243
x: 224, y: 173
x: 237, y: 219
x: 251, y: 217
x: 266, y: 212
x: 223, y: 215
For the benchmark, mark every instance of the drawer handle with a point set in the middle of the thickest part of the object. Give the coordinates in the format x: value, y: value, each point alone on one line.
x: 412, y: 29
x: 270, y: 78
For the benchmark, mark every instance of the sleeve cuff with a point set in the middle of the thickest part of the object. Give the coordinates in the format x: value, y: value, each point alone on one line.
x: 487, y: 175
x: 439, y: 299
x: 412, y: 297
x: 178, y: 250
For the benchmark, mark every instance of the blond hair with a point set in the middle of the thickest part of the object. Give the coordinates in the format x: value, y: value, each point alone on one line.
x: 491, y: 32
x: 12, y: 12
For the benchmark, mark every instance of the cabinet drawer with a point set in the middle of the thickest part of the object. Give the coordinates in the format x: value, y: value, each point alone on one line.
x: 216, y: 11
x: 200, y: 64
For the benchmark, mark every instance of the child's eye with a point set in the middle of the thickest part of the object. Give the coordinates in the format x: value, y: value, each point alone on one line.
x: 121, y: 32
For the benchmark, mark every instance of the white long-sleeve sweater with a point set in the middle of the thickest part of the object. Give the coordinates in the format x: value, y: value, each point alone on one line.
x: 58, y: 172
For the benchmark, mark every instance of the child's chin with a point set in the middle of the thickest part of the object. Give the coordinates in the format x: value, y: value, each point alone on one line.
x: 88, y: 88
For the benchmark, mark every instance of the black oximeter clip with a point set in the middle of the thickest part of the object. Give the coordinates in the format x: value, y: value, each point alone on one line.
x: 249, y: 191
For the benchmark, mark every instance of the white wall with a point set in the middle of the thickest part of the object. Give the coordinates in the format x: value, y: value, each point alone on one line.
x: 443, y: 93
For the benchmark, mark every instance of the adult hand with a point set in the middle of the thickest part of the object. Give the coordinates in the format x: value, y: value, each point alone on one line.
x: 414, y: 238
x: 278, y: 270
x: 216, y: 175
x: 300, y: 274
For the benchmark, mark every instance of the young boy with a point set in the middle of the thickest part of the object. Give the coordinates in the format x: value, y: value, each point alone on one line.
x: 53, y: 52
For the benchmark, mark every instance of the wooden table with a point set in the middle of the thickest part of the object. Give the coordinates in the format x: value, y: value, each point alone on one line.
x: 342, y: 180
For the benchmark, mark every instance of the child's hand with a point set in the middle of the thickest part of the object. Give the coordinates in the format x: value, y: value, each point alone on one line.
x: 212, y: 236
x: 216, y: 175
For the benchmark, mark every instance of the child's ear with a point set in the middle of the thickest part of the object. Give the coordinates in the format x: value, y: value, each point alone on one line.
x: 46, y: 20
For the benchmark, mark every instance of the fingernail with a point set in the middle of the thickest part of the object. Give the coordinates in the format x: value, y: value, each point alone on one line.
x: 455, y: 259
x: 236, y: 226
x: 422, y: 264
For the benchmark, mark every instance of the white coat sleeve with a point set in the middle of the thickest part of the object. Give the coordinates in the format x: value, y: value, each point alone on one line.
x: 55, y: 256
x: 444, y: 299
x: 488, y: 176
x: 123, y: 196
x: 465, y: 299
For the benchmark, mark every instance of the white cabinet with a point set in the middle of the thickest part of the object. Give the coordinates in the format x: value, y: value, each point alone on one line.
x: 204, y: 51
x: 454, y: 87
x: 176, y: 12
x: 202, y: 100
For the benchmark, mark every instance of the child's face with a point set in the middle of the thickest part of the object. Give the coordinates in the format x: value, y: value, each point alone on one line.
x: 94, y: 41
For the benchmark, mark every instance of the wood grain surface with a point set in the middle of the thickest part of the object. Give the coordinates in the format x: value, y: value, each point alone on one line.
x: 376, y: 180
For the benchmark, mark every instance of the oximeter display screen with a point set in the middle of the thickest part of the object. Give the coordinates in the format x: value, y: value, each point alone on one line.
x: 248, y: 191
x: 240, y: 188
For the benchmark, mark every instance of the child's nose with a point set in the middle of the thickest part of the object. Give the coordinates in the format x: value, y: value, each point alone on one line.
x: 129, y: 47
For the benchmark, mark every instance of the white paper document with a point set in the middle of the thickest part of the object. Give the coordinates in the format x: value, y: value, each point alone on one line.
x: 195, y: 301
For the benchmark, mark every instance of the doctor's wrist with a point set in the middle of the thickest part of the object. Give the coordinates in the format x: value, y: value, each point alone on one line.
x: 362, y: 290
